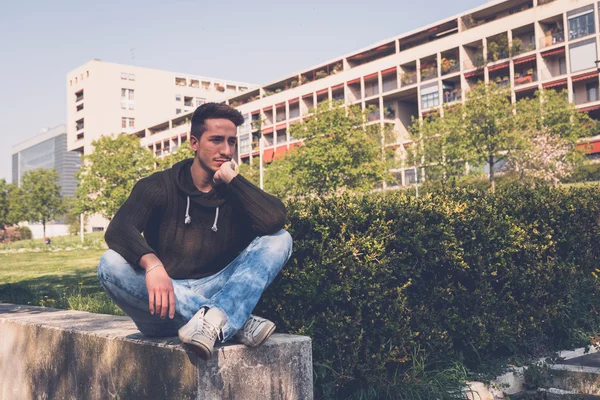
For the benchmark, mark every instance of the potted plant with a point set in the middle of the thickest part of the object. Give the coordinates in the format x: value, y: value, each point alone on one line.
x: 530, y: 71
x: 294, y: 83
x: 498, y: 79
x: 337, y: 68
x: 320, y: 74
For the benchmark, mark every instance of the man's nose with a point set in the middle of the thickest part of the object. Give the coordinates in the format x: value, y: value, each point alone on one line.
x: 227, y: 149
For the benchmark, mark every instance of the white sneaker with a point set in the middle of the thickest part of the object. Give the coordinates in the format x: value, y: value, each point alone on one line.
x: 255, y: 331
x: 202, y: 331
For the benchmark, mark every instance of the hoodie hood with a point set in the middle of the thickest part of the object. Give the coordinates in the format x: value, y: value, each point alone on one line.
x: 182, y: 176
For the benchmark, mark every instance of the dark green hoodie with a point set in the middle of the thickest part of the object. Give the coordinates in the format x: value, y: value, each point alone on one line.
x: 220, y: 223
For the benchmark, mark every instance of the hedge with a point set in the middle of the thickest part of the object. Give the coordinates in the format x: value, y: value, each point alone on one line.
x: 379, y: 279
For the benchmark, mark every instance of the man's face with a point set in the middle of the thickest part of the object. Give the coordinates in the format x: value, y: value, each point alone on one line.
x: 216, y: 145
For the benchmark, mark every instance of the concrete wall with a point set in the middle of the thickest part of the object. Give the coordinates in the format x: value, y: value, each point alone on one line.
x: 58, y: 354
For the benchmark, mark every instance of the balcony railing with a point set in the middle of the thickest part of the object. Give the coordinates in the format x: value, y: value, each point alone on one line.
x: 408, y: 78
x: 516, y: 50
x: 451, y: 97
x: 429, y: 73
x: 525, y: 78
x: 557, y: 37
x: 449, y: 66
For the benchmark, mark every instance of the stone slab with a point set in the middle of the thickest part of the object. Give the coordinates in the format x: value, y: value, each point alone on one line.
x: 59, y: 354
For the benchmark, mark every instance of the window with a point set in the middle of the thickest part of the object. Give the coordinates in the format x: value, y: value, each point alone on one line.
x: 80, y: 136
x: 71, y: 82
x: 231, y: 88
x: 371, y: 88
x: 80, y: 107
x: 78, y: 96
x: 124, y: 76
x: 178, y: 111
x: 430, y: 97
x: 79, y: 125
x: 294, y: 110
x: 592, y: 91
x: 562, y: 65
x: 245, y: 144
x: 127, y: 99
x: 245, y: 127
x: 87, y: 73
x: 200, y: 101
x: 127, y: 123
x: 76, y: 80
x: 181, y: 81
x: 177, y: 97
x: 132, y: 77
x: 581, y: 25
x: 583, y: 55
x: 281, y: 136
x: 194, y: 83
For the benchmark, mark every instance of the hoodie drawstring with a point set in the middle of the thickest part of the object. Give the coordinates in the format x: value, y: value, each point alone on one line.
x: 214, y: 227
x: 188, y: 219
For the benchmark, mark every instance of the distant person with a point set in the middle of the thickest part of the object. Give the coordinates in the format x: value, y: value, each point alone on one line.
x: 212, y: 244
x: 47, y: 241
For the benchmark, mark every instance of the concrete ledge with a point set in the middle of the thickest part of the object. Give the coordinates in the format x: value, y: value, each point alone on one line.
x: 47, y: 353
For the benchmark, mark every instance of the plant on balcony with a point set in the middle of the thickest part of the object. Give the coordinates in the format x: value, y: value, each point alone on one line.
x: 269, y: 93
x: 498, y: 79
x: 448, y: 65
x: 303, y: 79
x: 294, y: 83
x: 278, y: 90
x: 530, y: 71
x: 479, y: 59
x: 498, y: 48
x: 408, y: 78
x: 428, y: 70
x: 321, y: 74
x: 235, y: 103
x: 337, y: 68
x: 516, y: 47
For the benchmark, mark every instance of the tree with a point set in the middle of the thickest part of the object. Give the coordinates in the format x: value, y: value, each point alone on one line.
x: 38, y: 197
x: 552, y: 127
x: 339, y: 151
x: 439, y: 146
x: 182, y: 153
x: 5, y: 191
x: 108, y: 174
x: 488, y: 127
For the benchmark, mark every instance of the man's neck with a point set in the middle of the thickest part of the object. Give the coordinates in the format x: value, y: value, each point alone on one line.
x: 203, y: 179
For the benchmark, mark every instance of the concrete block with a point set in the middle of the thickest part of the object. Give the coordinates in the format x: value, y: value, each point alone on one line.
x: 59, y: 354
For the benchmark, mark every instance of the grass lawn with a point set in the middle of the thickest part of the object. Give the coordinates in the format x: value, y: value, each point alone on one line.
x: 90, y: 239
x: 65, y: 279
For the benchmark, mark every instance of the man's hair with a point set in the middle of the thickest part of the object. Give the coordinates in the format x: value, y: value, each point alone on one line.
x: 211, y: 111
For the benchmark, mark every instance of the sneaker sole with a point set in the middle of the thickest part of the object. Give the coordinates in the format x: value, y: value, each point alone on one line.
x: 200, y: 349
x: 268, y: 335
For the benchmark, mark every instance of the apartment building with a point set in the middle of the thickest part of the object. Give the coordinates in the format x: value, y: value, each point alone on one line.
x: 523, y: 44
x: 105, y: 98
x: 47, y: 150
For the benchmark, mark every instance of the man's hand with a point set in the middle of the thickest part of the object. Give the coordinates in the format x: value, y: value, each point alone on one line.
x: 225, y: 173
x: 160, y: 292
x: 160, y: 287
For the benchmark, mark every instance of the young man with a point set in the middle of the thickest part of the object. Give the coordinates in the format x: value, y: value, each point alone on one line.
x: 212, y: 243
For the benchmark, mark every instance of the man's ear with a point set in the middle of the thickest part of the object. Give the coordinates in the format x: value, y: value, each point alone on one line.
x: 194, y: 143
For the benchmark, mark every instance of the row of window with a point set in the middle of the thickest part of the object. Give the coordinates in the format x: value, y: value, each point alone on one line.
x: 78, y: 78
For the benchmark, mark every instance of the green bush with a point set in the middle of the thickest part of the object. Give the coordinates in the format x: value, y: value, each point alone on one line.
x: 24, y: 233
x: 465, y: 276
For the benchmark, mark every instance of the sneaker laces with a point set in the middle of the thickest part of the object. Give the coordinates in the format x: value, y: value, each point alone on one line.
x: 209, y: 330
x: 251, y: 326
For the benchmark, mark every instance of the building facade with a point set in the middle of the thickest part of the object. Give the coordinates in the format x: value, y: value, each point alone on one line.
x: 522, y: 44
x: 105, y: 99
x: 48, y: 150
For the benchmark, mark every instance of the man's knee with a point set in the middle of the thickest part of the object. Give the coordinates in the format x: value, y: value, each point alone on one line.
x: 282, y: 241
x: 112, y: 264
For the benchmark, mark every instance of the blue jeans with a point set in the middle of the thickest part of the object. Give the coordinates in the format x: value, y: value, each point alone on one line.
x: 235, y: 290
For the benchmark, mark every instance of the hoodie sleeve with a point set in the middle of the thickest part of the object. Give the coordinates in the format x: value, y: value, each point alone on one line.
x: 124, y: 231
x: 267, y: 213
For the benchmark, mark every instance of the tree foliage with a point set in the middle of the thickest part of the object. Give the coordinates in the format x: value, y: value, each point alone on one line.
x: 5, y: 191
x: 182, y: 153
x: 536, y: 138
x: 38, y: 198
x: 339, y: 151
x: 109, y: 173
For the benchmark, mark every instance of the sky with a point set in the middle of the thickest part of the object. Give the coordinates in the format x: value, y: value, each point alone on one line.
x: 248, y: 41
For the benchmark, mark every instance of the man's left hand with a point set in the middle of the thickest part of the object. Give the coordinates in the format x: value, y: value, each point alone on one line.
x: 226, y: 172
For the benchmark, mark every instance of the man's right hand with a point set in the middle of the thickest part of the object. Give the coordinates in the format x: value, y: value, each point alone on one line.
x: 160, y: 292
x: 160, y: 287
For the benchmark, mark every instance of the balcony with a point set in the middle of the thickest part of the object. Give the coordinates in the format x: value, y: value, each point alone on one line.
x: 550, y: 40
x: 453, y: 96
x: 408, y: 78
x: 449, y: 66
x: 529, y: 76
x: 373, y: 115
x: 389, y: 113
x: 428, y: 71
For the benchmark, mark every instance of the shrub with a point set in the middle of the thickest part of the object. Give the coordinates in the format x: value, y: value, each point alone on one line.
x: 24, y: 233
x: 465, y: 275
